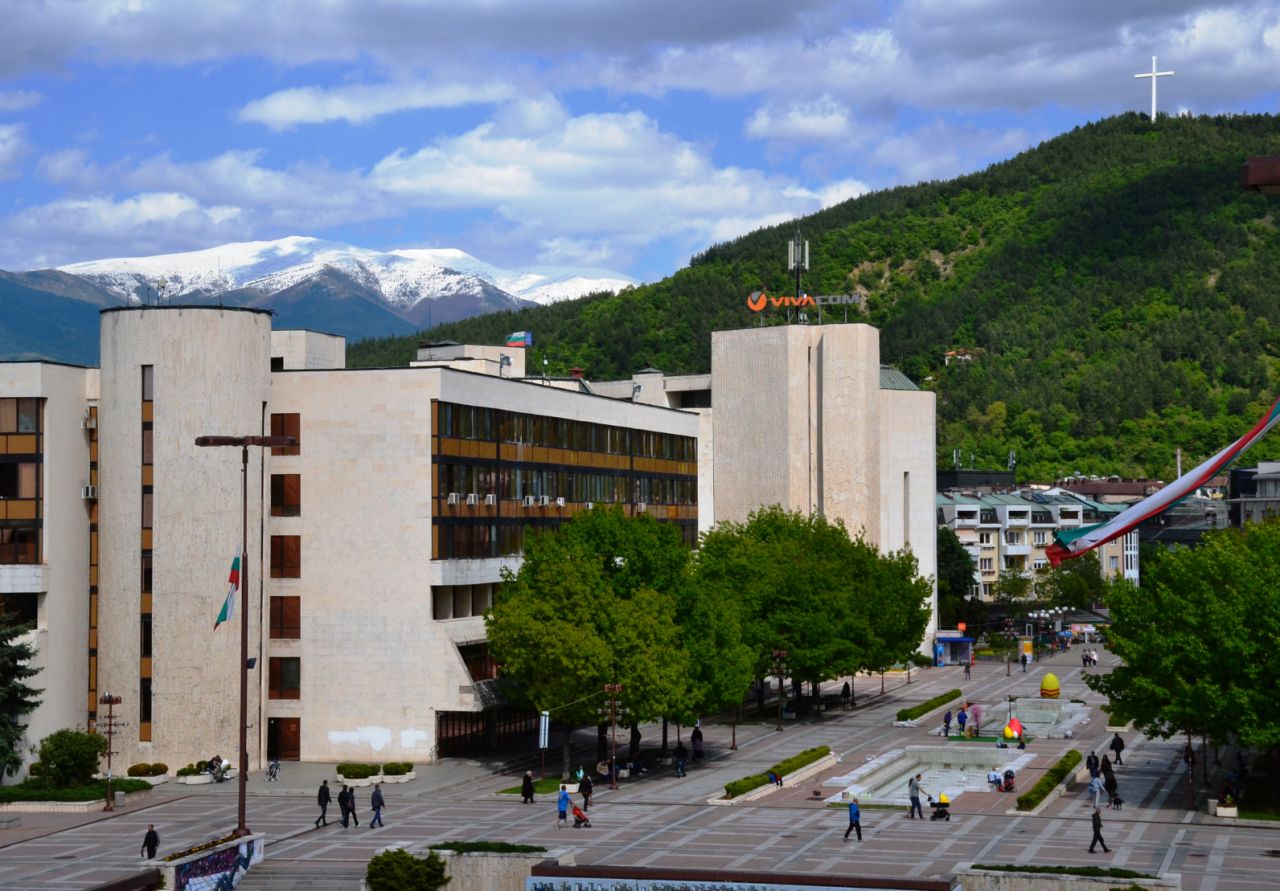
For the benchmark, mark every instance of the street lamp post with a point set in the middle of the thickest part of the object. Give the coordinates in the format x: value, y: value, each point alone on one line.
x: 613, y: 690
x: 779, y: 657
x: 243, y: 443
x: 110, y: 702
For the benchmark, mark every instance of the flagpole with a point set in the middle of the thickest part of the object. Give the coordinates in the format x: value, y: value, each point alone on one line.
x: 244, y: 442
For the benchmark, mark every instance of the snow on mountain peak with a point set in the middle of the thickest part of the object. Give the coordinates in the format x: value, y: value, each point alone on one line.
x: 404, y: 277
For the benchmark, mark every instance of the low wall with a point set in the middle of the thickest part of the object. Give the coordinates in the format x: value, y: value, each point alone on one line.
x: 824, y: 763
x: 971, y: 879
x: 70, y: 807
x: 216, y: 869
x: 482, y: 871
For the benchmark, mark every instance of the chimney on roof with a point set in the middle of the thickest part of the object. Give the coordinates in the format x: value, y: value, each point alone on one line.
x: 576, y: 372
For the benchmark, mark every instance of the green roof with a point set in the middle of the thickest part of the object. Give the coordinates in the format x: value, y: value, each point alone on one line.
x: 893, y: 379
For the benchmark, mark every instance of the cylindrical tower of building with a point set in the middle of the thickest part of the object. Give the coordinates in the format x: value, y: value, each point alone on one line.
x: 170, y: 523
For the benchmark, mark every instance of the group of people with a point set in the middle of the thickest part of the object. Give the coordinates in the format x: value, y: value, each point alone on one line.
x: 962, y: 719
x: 1088, y: 658
x: 347, y: 805
x: 1102, y: 777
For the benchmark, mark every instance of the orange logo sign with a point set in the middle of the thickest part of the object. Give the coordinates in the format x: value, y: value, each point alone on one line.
x: 758, y: 300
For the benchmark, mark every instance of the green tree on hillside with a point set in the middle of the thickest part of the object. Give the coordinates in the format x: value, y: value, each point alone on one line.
x: 17, y: 698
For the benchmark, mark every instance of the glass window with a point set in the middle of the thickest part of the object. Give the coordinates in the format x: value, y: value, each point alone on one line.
x: 146, y: 635
x: 287, y: 425
x: 284, y: 679
x: 286, y: 556
x: 144, y: 700
x: 8, y: 416
x: 286, y: 495
x: 148, y: 383
x: 146, y: 573
x: 146, y: 510
x: 147, y: 446
x: 286, y: 618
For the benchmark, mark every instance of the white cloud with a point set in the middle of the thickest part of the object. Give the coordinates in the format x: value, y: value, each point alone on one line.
x: 14, y: 146
x: 18, y: 100
x: 837, y: 192
x: 820, y: 120
x: 359, y: 103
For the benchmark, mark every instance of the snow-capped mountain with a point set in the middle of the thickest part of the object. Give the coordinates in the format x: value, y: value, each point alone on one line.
x: 404, y: 278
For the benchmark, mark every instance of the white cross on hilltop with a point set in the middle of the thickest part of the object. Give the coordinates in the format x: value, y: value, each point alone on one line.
x: 1153, y: 75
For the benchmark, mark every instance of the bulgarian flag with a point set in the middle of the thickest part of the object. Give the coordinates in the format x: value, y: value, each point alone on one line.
x: 1074, y: 542
x: 232, y: 584
x: 520, y: 339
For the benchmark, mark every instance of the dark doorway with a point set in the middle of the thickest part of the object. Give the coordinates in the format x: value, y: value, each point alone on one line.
x: 282, y: 738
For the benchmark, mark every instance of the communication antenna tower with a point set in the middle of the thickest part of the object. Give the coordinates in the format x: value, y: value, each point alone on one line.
x: 798, y: 262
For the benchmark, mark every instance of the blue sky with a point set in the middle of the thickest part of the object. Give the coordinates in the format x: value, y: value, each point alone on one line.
x: 619, y: 135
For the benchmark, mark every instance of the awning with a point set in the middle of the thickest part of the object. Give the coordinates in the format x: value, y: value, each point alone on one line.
x: 942, y: 640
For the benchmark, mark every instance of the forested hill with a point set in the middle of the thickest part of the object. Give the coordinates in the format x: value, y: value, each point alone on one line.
x: 1119, y: 292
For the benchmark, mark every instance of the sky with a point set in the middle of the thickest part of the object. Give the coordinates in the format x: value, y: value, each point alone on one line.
x: 616, y: 135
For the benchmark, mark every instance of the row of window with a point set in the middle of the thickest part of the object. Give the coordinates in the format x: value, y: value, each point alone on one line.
x: 471, y: 541
x: 511, y: 482
x: 20, y: 415
x: 496, y: 425
x: 284, y: 677
x: 18, y: 479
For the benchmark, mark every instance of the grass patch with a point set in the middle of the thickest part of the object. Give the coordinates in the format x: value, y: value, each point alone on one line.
x: 488, y: 847
x: 37, y: 790
x: 915, y: 711
x: 1047, y: 783
x: 782, y: 768
x: 1259, y: 815
x: 844, y: 805
x: 1097, y: 872
x: 544, y: 786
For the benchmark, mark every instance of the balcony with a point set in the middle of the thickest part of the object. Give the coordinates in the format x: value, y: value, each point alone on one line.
x: 1017, y: 518
x: 1016, y: 550
x: 23, y: 578
x: 967, y: 521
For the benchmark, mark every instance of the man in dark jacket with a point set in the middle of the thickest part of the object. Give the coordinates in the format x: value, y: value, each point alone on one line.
x: 1117, y: 746
x: 150, y: 842
x: 1097, y: 833
x: 323, y: 798
x: 344, y: 806
x: 585, y: 788
x: 377, y: 802
x: 351, y: 805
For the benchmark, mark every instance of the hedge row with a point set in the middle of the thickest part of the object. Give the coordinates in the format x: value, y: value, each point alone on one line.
x: 1053, y: 776
x: 488, y: 847
x: 352, y: 771
x: 910, y: 714
x: 148, y: 770
x: 1097, y: 872
x: 782, y: 768
x: 36, y: 790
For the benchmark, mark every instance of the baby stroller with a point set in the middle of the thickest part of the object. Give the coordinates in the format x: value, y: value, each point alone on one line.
x: 1007, y: 785
x: 273, y: 772
x: 941, y: 808
x: 580, y: 819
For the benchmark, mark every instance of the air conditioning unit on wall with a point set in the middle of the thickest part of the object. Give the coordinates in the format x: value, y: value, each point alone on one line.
x: 490, y: 500
x: 453, y: 498
x: 528, y: 501
x: 559, y: 502
x: 89, y: 493
x: 544, y: 500
x: 473, y: 499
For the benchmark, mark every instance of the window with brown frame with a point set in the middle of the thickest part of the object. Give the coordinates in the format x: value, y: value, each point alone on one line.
x: 286, y: 618
x: 284, y: 678
x: 287, y: 425
x: 286, y: 494
x: 286, y: 556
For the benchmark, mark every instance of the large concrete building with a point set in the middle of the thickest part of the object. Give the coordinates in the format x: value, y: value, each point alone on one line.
x: 377, y: 542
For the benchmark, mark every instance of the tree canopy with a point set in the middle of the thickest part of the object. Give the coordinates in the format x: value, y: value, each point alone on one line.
x: 17, y: 697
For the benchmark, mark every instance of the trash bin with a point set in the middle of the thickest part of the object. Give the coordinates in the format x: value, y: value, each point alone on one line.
x: 119, y: 798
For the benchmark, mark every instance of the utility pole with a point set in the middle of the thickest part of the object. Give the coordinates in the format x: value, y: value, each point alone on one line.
x: 797, y: 262
x: 613, y: 690
x: 110, y: 702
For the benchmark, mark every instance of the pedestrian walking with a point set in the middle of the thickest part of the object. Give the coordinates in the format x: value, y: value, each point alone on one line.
x: 377, y: 802
x: 682, y: 759
x: 846, y: 694
x: 586, y: 787
x: 344, y: 805
x: 1091, y: 762
x: 968, y: 669
x: 962, y: 718
x: 562, y: 807
x: 351, y: 805
x: 1095, y: 789
x: 1109, y: 783
x: 150, y: 842
x: 526, y: 787
x: 1023, y: 659
x: 322, y: 799
x: 1084, y: 658
x: 913, y: 792
x: 1097, y: 833
x: 1117, y: 746
x: 855, y: 820
x: 946, y: 724
x: 695, y: 740
x: 1105, y: 765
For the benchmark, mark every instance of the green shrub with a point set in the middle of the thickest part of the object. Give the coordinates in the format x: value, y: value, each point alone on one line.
x: 158, y: 769
x: 1054, y: 775
x: 188, y: 771
x: 398, y: 870
x: 201, y: 766
x: 915, y: 711
x: 70, y: 757
x: 139, y: 770
x: 782, y: 768
x: 920, y: 660
x: 489, y: 847
x: 395, y: 768
x: 40, y: 790
x: 352, y: 771
x: 35, y: 769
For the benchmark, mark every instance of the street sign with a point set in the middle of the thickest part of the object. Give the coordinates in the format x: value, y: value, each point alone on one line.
x: 544, y: 729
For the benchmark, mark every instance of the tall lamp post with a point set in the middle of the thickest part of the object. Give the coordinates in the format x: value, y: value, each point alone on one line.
x: 613, y: 690
x: 779, y: 658
x: 110, y: 702
x: 243, y: 443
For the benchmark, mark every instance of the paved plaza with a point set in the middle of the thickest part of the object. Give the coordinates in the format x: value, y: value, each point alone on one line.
x: 662, y: 820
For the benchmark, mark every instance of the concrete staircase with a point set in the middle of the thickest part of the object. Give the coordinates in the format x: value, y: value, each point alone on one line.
x: 303, y: 875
